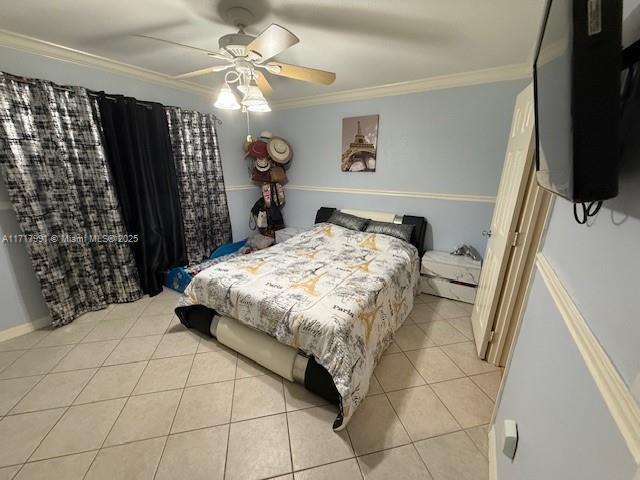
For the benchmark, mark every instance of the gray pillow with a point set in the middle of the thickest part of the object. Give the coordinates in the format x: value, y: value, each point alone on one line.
x: 348, y: 221
x: 259, y: 241
x: 398, y: 230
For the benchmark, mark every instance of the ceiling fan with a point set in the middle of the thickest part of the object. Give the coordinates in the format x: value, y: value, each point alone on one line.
x: 246, y: 59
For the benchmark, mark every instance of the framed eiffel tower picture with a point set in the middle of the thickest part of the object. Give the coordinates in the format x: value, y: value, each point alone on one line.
x: 359, y: 143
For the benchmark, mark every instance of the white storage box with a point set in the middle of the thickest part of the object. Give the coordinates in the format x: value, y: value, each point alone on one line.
x: 447, y: 289
x: 450, y: 276
x: 453, y: 267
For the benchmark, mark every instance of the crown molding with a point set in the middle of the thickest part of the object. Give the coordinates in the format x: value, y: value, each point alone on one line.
x: 616, y: 395
x: 43, y: 48
x: 477, y: 77
x: 395, y: 193
x: 374, y: 192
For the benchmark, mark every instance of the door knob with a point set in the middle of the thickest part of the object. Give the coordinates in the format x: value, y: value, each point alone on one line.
x: 486, y: 233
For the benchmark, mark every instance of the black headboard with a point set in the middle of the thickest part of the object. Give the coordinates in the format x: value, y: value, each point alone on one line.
x: 419, y: 226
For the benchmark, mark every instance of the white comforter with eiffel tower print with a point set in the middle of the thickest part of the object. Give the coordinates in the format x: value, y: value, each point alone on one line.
x: 334, y: 293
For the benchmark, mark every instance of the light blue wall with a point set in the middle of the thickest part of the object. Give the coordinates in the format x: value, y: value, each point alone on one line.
x: 19, y: 290
x: 450, y: 141
x: 565, y: 429
x: 562, y: 417
x: 600, y: 267
x: 455, y: 221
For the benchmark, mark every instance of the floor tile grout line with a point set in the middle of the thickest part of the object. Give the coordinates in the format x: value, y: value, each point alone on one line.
x: 470, y: 377
x: 8, y: 414
x: 494, y: 368
x: 286, y: 421
x: 450, y: 412
x: 103, y: 399
x: 415, y: 448
x: 154, y: 437
x: 431, y: 346
x: 43, y: 338
x: 176, y: 389
x: 427, y: 384
x: 333, y: 462
x: 472, y: 441
x: 120, y: 412
x: 353, y: 449
x: 459, y: 329
x: 61, y: 406
x: 420, y: 326
x: 273, y: 415
x: 24, y: 352
x: 184, y: 386
x: 233, y: 394
x: 84, y: 368
x: 94, y: 374
x: 398, y: 416
x: 439, y: 381
x: 21, y: 465
x: 227, y: 424
x: 66, y: 409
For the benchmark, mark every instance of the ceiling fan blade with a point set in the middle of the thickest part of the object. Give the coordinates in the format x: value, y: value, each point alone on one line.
x: 176, y: 44
x: 263, y: 84
x: 203, y: 71
x: 297, y: 72
x: 221, y: 55
x: 272, y: 41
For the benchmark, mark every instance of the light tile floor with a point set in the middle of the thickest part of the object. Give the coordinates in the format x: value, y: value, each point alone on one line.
x: 128, y: 392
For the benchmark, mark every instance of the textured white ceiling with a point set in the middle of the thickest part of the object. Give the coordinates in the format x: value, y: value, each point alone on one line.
x: 366, y: 42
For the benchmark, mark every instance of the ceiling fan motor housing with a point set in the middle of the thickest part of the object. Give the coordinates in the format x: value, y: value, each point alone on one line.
x: 236, y: 43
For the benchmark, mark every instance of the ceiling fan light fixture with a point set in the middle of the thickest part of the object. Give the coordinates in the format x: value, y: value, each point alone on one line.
x: 226, y: 99
x: 253, y: 97
x: 260, y: 108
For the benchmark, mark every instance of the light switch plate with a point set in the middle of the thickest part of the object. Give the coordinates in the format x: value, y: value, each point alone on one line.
x: 510, y: 438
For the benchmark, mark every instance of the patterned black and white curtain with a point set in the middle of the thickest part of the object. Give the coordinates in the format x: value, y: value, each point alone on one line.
x: 203, y: 198
x: 53, y: 162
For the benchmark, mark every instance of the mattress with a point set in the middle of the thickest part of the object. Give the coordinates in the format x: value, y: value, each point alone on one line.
x: 336, y: 294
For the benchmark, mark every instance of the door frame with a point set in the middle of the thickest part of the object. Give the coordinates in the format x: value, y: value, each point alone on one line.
x: 532, y: 222
x: 512, y: 194
x: 543, y: 215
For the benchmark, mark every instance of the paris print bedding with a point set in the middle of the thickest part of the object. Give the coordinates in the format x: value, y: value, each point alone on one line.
x: 334, y: 293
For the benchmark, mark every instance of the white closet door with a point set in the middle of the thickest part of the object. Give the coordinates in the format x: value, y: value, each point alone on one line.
x: 513, y: 183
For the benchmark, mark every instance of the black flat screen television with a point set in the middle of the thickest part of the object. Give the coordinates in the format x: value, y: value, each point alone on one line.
x: 577, y: 93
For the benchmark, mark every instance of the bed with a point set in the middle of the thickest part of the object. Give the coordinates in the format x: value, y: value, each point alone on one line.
x: 320, y: 308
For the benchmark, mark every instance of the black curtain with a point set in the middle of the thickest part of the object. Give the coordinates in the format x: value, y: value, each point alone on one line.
x: 140, y: 157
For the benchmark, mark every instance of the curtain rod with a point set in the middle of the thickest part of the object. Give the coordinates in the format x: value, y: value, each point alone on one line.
x: 34, y: 82
x: 94, y: 93
x: 91, y: 93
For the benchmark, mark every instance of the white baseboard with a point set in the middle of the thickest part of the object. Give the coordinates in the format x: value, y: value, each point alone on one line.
x: 493, y: 468
x: 23, y: 328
